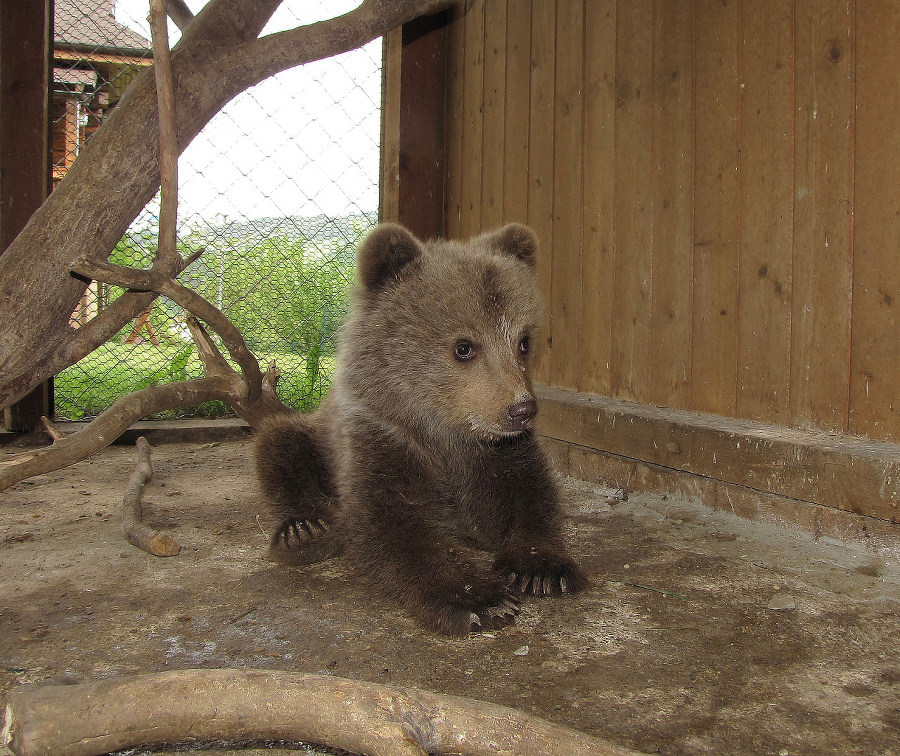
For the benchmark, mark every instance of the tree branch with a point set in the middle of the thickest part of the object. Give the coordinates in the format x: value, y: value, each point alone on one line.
x: 168, y: 139
x: 152, y: 541
x: 180, y: 13
x: 266, y: 404
x: 211, y: 704
x: 110, y: 424
x: 263, y: 57
x: 109, y: 321
x: 153, y: 280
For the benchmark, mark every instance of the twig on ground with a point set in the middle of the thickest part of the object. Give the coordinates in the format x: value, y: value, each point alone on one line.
x: 55, y: 433
x: 152, y: 541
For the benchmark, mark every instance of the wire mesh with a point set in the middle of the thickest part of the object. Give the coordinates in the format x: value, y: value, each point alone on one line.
x: 277, y: 190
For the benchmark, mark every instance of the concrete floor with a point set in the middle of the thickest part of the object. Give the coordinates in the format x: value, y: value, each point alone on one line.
x: 702, y: 634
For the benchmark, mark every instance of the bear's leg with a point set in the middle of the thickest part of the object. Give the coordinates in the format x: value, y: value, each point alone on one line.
x: 294, y: 470
x: 531, y: 553
x: 400, y: 535
x: 445, y: 586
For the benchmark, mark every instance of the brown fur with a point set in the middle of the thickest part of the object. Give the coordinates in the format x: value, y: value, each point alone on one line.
x: 422, y: 461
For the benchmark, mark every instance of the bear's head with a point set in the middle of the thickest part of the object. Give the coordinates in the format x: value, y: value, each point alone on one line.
x: 440, y: 334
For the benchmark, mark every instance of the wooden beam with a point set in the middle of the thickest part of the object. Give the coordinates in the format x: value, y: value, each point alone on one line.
x: 415, y: 91
x: 423, y: 92
x: 841, y: 472
x: 24, y: 166
x: 389, y: 186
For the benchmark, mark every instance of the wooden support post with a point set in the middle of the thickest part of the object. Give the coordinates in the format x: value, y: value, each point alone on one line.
x: 413, y: 138
x: 25, y: 34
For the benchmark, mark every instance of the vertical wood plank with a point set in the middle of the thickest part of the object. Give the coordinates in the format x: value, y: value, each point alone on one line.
x: 599, y: 194
x: 494, y: 114
x: 767, y: 156
x: 423, y: 96
x: 568, y: 203
x: 540, y: 157
x: 389, y: 201
x: 518, y: 101
x: 716, y: 208
x: 633, y: 216
x: 453, y: 126
x: 25, y: 34
x: 672, y: 204
x: 875, y: 351
x: 473, y: 120
x: 389, y: 189
x: 824, y: 113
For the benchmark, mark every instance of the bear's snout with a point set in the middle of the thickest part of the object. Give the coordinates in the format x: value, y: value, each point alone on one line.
x: 520, y: 414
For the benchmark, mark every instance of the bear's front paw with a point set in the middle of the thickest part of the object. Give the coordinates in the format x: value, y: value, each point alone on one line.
x: 475, y: 611
x: 303, y: 542
x: 542, y: 574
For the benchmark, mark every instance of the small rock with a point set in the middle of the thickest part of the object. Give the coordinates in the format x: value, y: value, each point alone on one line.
x: 522, y: 651
x: 782, y: 601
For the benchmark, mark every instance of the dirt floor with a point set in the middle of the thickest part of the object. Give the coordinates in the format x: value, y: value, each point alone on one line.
x: 702, y: 634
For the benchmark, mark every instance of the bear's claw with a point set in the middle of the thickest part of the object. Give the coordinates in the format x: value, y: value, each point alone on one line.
x: 294, y: 533
x: 543, y: 576
x: 300, y: 541
x: 494, y: 616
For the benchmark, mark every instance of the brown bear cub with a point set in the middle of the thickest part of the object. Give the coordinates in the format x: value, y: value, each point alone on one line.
x: 422, y: 462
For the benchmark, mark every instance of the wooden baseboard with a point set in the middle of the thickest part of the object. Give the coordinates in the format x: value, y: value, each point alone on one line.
x: 829, y: 485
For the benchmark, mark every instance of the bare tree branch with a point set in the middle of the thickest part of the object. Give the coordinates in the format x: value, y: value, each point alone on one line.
x: 266, y: 404
x: 210, y: 704
x: 168, y: 139
x: 277, y: 52
x: 110, y: 424
x: 152, y: 541
x: 52, y: 430
x: 109, y: 321
x: 153, y: 280
x: 180, y: 13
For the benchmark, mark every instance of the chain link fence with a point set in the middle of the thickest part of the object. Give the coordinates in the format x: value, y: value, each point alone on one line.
x: 277, y: 190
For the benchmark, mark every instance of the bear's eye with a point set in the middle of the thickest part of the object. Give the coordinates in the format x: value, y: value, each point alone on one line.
x: 464, y: 351
x: 524, y: 345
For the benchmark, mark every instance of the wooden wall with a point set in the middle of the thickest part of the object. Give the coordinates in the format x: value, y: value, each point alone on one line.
x: 716, y: 186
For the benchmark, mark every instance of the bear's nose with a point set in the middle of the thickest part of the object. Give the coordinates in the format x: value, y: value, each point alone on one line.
x: 521, y: 413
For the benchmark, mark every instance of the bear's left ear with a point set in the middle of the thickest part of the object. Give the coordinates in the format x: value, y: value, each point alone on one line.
x: 516, y: 240
x: 384, y: 252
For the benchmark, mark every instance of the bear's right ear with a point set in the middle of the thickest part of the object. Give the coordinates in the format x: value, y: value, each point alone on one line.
x: 384, y: 252
x: 516, y: 240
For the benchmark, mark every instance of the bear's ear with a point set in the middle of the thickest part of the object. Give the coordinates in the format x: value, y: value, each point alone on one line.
x: 516, y: 240
x: 384, y: 252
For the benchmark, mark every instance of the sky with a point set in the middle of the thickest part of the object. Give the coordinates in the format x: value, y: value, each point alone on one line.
x: 303, y: 142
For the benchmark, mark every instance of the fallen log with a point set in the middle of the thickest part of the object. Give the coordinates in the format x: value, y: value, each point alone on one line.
x: 226, y: 704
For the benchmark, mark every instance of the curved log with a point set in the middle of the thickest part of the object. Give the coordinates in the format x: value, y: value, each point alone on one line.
x: 149, y: 540
x: 210, y: 704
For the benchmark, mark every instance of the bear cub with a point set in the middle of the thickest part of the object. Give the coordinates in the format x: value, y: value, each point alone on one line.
x: 422, y: 463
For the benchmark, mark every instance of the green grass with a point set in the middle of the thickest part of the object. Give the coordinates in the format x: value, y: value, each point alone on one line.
x: 87, y: 388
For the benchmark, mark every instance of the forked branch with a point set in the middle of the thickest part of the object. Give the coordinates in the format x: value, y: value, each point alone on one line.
x: 153, y: 280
